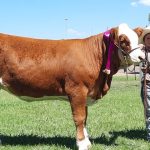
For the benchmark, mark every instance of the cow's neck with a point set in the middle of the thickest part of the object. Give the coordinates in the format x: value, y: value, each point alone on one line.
x: 100, y: 49
x: 111, y: 65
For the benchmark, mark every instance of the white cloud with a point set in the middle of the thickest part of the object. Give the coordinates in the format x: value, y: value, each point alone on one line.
x: 143, y: 2
x: 73, y: 31
x: 134, y: 4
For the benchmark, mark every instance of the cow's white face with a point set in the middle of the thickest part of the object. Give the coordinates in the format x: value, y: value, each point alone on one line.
x: 133, y: 40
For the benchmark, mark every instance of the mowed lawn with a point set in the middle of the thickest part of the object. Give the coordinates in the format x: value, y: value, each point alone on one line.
x: 116, y: 122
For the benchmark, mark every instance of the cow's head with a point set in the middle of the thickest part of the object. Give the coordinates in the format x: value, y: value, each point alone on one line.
x: 127, y: 41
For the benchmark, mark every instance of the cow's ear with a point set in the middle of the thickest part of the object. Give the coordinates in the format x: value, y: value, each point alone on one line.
x: 114, y: 34
x: 139, y: 31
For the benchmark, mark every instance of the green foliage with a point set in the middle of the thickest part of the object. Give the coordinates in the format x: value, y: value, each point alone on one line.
x: 116, y: 122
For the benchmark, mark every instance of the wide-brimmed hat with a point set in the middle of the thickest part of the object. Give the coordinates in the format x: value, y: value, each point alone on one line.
x: 145, y: 31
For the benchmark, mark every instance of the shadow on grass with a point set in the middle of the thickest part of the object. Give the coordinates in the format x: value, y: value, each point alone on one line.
x: 69, y: 142
x: 137, y: 134
x: 36, y: 140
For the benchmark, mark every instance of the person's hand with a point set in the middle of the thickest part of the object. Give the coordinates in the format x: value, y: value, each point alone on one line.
x: 144, y: 67
x: 143, y: 70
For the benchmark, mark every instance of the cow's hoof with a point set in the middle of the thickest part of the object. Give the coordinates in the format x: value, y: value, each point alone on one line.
x: 84, y: 144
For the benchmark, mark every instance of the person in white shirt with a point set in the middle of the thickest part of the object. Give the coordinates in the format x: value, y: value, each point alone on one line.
x: 145, y: 77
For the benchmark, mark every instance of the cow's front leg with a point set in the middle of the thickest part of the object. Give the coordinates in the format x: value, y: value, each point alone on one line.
x: 85, y: 130
x: 78, y: 105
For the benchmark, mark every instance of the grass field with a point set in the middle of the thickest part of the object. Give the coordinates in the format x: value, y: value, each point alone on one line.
x: 115, y: 123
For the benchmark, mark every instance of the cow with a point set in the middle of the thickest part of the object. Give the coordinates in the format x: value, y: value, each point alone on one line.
x: 80, y: 69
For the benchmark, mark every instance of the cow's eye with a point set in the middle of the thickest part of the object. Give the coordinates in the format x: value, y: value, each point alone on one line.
x: 123, y: 44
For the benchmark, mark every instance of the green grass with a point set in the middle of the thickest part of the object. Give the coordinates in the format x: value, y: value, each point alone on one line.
x: 116, y: 122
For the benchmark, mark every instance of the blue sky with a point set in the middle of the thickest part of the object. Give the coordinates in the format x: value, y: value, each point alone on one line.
x: 59, y: 19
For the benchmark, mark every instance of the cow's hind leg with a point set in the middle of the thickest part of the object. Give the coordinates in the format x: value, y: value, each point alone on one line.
x: 78, y: 105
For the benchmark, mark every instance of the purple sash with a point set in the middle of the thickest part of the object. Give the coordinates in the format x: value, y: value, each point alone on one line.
x: 110, y: 46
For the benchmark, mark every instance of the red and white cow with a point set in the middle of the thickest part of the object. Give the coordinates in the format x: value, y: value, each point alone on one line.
x: 81, y: 69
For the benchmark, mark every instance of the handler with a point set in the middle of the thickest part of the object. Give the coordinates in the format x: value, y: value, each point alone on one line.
x: 145, y: 77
